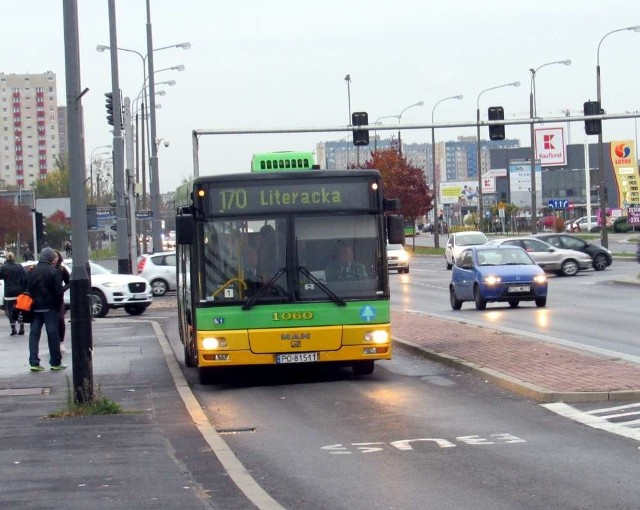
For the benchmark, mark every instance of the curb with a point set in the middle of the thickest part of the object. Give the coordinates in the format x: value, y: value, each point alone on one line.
x: 514, y: 385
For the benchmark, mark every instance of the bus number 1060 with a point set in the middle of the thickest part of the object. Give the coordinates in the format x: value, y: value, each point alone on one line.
x: 233, y: 199
x: 292, y: 316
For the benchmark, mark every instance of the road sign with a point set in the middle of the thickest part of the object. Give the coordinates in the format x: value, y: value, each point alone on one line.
x: 145, y: 214
x: 558, y: 204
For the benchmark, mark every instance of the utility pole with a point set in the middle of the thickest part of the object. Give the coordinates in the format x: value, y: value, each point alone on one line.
x: 80, y: 284
x: 124, y: 264
x: 130, y: 184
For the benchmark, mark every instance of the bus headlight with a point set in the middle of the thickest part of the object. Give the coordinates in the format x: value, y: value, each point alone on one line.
x: 378, y: 336
x: 210, y: 343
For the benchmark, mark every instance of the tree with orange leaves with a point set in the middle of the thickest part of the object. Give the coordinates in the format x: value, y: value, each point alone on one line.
x: 402, y: 180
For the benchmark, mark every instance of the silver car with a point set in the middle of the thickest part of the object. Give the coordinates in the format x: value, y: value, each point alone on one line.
x: 551, y: 259
x: 159, y: 269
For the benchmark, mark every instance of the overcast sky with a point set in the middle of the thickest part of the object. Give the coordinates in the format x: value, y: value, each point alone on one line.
x: 282, y: 63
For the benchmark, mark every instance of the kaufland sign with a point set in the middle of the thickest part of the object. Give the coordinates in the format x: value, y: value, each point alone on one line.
x: 551, y: 148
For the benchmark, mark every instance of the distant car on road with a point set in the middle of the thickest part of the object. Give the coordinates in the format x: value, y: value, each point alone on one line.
x: 457, y: 241
x: 397, y: 258
x: 159, y: 269
x: 583, y: 224
x: 548, y: 257
x: 491, y: 273
x: 601, y: 257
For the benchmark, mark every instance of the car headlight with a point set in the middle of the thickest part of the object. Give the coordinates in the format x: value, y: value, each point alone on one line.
x: 491, y: 280
x: 540, y: 278
x: 404, y: 257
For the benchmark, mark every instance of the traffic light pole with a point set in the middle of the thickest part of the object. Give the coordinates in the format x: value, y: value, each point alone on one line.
x: 124, y: 264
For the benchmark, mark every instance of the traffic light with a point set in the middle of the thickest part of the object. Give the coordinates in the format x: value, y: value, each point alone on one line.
x: 592, y: 127
x: 40, y: 233
x: 496, y: 132
x: 360, y: 137
x: 109, y: 106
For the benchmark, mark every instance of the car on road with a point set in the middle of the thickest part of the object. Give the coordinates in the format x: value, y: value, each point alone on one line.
x: 548, y: 257
x: 499, y: 273
x: 583, y: 224
x: 458, y: 241
x: 397, y: 258
x: 159, y: 269
x: 600, y: 257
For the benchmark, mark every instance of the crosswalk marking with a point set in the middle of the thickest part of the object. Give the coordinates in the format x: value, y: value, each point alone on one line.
x: 590, y: 419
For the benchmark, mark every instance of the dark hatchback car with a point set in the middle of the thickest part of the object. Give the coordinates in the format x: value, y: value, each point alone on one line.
x: 601, y: 257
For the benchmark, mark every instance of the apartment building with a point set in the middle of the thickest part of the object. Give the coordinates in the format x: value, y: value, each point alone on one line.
x: 29, y: 128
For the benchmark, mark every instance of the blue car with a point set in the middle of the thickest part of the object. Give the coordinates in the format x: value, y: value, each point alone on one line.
x: 496, y: 273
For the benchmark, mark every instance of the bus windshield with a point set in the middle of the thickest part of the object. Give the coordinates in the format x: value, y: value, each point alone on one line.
x: 328, y: 258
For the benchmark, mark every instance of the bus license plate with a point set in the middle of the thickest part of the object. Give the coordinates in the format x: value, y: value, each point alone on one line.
x: 297, y: 357
x: 520, y: 288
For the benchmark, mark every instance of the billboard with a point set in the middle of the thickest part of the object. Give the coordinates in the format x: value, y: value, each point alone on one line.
x: 464, y: 193
x: 520, y: 183
x: 625, y: 170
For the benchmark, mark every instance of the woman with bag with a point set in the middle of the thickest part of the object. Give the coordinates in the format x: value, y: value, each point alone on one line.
x: 14, y: 277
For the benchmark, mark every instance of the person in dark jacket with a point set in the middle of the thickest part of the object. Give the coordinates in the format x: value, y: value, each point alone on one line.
x: 44, y: 283
x: 14, y: 277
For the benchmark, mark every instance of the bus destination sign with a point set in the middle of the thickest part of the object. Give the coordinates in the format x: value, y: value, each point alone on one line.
x: 284, y: 197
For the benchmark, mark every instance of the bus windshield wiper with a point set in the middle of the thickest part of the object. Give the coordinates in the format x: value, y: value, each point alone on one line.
x: 327, y: 290
x: 261, y: 291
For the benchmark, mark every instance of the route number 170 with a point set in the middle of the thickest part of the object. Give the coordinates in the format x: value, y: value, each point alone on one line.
x: 232, y: 199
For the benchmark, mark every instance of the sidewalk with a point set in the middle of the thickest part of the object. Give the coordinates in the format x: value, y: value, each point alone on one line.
x: 146, y: 458
x: 539, y: 370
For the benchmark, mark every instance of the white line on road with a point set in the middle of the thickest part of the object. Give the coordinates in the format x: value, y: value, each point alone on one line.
x: 596, y: 422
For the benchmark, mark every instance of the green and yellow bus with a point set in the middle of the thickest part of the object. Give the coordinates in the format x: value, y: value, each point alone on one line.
x: 284, y: 161
x: 257, y: 258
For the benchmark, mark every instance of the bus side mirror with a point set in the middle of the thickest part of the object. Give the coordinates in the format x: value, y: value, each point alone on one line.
x: 395, y: 229
x: 185, y: 229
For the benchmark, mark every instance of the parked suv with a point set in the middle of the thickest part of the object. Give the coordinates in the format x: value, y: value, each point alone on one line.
x: 159, y: 269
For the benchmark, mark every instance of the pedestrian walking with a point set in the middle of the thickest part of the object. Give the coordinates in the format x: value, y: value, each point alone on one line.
x: 27, y: 254
x: 14, y: 277
x: 44, y: 283
x: 66, y: 278
x: 67, y: 249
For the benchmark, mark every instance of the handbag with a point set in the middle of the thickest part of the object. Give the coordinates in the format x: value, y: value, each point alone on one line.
x: 24, y: 302
x: 23, y: 309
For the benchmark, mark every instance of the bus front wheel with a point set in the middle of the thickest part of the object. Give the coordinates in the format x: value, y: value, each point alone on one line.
x: 363, y: 367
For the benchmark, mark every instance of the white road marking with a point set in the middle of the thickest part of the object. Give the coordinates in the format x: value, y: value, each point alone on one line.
x: 615, y: 408
x: 596, y: 422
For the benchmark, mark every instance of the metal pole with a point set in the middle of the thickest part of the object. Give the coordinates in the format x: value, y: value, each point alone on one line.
x: 479, y: 165
x: 602, y: 191
x: 80, y: 285
x: 118, y: 149
x: 347, y: 78
x: 155, y: 183
x: 435, y: 172
x: 533, y: 153
x: 130, y: 184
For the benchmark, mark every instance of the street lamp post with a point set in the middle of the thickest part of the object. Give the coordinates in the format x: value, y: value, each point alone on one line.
x: 533, y: 112
x: 377, y: 122
x: 399, y: 116
x: 91, y: 165
x: 347, y: 80
x: 148, y: 59
x: 478, y: 159
x: 602, y: 192
x: 435, y: 226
